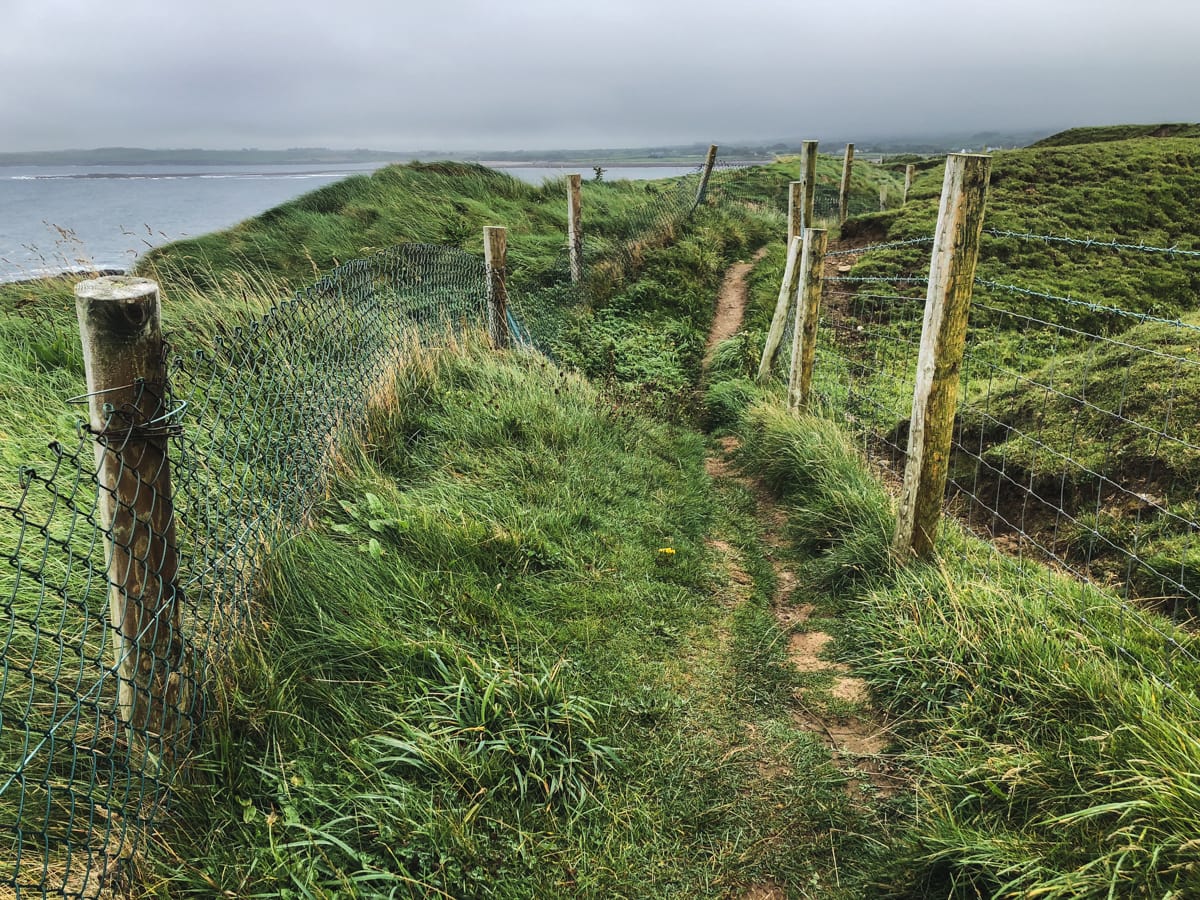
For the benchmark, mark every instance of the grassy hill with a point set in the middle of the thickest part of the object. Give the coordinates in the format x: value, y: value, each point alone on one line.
x: 1055, y: 722
x: 530, y: 644
x: 1105, y: 133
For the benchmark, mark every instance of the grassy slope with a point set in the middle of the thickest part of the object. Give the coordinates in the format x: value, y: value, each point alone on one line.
x: 768, y: 184
x: 1050, y: 767
x: 1104, y: 133
x: 643, y: 342
x: 1133, y: 191
x: 513, y: 692
x: 1023, y: 742
x: 213, y: 283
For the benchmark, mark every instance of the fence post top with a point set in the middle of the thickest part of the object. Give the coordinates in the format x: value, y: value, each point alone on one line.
x: 116, y: 288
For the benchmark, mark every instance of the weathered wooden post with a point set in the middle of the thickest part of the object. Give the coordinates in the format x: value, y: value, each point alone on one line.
x: 943, y: 335
x: 883, y: 194
x: 808, y: 310
x: 808, y: 177
x: 844, y: 193
x: 575, y: 225
x: 795, y: 210
x: 779, y: 319
x: 909, y: 171
x: 495, y: 260
x: 709, y: 162
x: 124, y: 361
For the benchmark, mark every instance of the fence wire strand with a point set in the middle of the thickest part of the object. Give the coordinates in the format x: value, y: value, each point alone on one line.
x: 1076, y: 449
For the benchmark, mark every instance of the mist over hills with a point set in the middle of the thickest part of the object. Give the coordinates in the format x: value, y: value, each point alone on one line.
x: 730, y: 149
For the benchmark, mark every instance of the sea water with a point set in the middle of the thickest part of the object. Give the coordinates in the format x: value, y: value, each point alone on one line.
x: 57, y: 219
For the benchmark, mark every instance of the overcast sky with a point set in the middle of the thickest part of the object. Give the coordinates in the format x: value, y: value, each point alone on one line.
x: 482, y: 74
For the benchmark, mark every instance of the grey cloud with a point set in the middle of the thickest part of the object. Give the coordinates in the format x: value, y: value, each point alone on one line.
x: 467, y: 74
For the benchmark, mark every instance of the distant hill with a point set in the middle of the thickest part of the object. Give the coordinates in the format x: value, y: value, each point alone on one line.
x: 1103, y: 133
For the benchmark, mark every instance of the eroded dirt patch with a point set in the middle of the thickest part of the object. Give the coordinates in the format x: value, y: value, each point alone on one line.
x: 857, y: 742
x: 805, y: 649
x: 731, y: 305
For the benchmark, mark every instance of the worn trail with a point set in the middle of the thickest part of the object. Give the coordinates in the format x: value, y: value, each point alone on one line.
x: 825, y: 703
x: 731, y: 305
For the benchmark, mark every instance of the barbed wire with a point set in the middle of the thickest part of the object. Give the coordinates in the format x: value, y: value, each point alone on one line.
x: 1084, y: 304
x: 1091, y: 243
x: 889, y: 245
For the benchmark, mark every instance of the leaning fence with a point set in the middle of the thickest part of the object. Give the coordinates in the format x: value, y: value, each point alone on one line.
x: 1073, y: 446
x: 130, y: 559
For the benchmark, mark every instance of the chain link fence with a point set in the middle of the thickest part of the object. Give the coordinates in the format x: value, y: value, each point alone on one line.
x: 117, y: 610
x: 121, y: 602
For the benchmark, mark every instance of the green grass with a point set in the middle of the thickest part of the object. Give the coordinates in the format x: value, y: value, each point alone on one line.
x: 1135, y: 191
x: 1106, y: 133
x: 1051, y: 760
x: 1075, y: 421
x: 767, y: 185
x: 550, y: 748
x: 477, y: 675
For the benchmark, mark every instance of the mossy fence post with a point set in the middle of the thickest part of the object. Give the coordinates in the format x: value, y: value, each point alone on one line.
x: 943, y: 336
x: 779, y: 320
x: 844, y: 193
x: 709, y: 162
x: 808, y: 178
x: 808, y: 310
x: 495, y: 260
x: 575, y: 225
x: 795, y: 226
x: 801, y: 201
x: 125, y: 366
x: 909, y: 171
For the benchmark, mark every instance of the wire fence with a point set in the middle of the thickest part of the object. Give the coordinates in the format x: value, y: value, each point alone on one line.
x: 249, y: 427
x: 1076, y: 447
x: 766, y: 189
x: 620, y: 232
x: 114, y: 624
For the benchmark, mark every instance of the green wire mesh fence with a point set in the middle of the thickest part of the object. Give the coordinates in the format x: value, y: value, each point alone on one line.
x: 617, y: 235
x: 86, y: 758
x: 99, y: 705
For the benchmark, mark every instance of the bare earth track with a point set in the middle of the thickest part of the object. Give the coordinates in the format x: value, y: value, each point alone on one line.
x: 838, y: 712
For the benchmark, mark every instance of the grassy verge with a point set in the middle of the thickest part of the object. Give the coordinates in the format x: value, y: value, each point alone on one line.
x: 482, y: 673
x: 1053, y: 761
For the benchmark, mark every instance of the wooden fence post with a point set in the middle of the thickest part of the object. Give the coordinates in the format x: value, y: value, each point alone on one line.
x: 795, y: 210
x: 808, y: 310
x: 943, y: 335
x: 883, y: 195
x: 123, y: 357
x: 909, y: 171
x: 844, y: 193
x: 779, y: 320
x: 808, y: 177
x: 495, y: 258
x: 709, y: 162
x: 575, y: 225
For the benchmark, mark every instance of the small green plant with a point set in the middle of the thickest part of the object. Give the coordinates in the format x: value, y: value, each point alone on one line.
x: 488, y: 727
